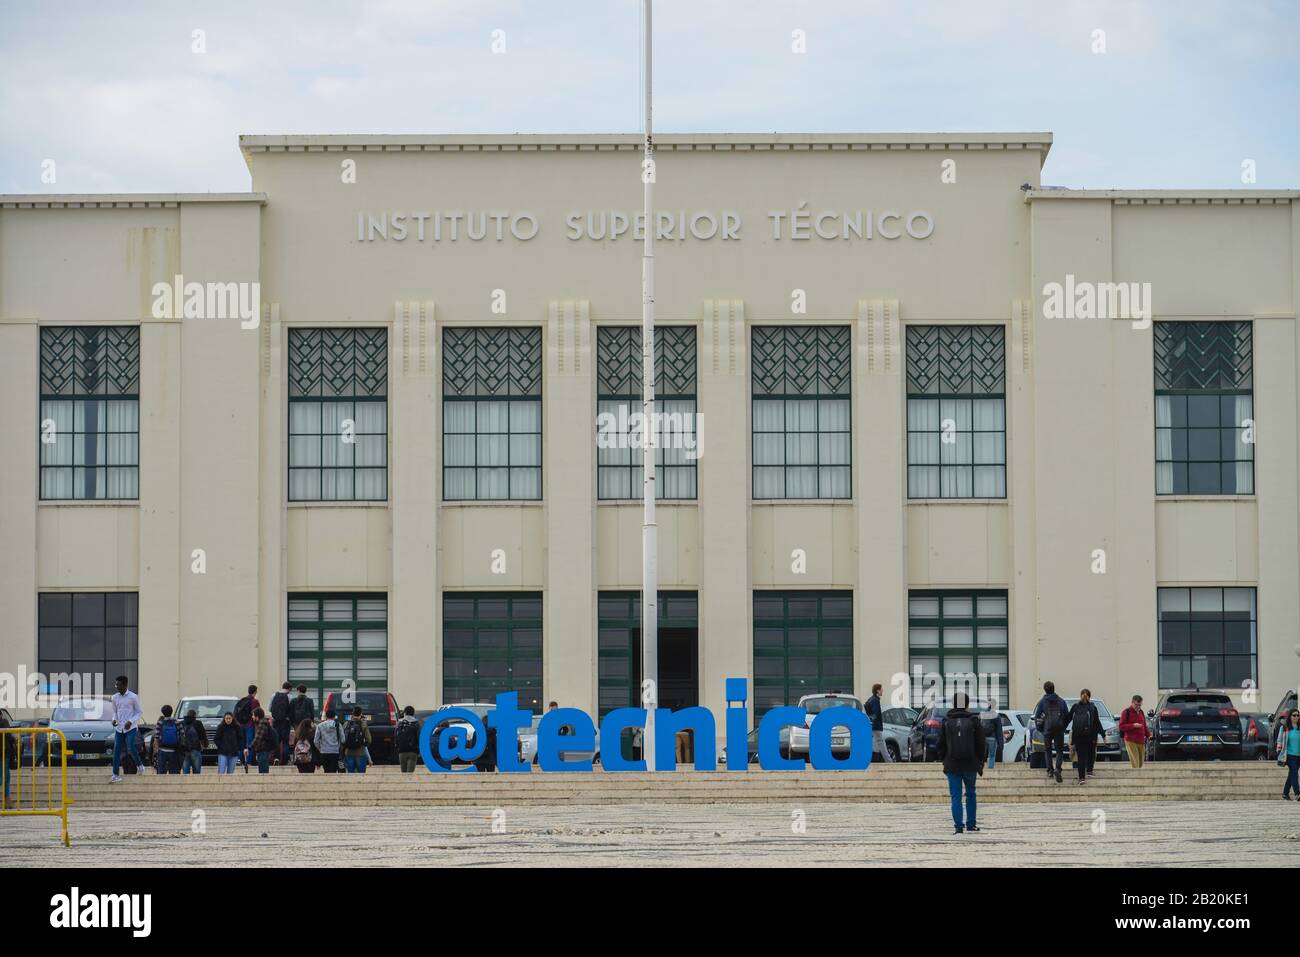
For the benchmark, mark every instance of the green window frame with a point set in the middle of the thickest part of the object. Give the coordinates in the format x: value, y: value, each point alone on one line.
x: 803, y: 644
x: 335, y: 637
x: 88, y: 633
x: 956, y: 412
x: 88, y: 428
x: 618, y: 625
x: 802, y: 412
x: 338, y: 376
x: 1208, y: 637
x: 492, y: 643
x: 958, y: 632
x: 1204, y: 408
x: 492, y: 414
x: 618, y: 397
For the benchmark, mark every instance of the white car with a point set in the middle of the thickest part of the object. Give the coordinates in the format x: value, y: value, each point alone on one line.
x: 815, y: 704
x: 1015, y: 734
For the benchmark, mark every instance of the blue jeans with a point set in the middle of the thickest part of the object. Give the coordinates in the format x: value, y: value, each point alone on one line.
x: 955, y: 783
x: 355, y: 765
x: 248, y: 745
x: 263, y: 762
x: 123, y: 740
x: 226, y: 763
x: 192, y: 763
x: 993, y: 752
x: 1292, y: 775
x: 169, y: 762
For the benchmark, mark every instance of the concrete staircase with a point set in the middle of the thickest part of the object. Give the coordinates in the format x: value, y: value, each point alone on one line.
x: 900, y: 783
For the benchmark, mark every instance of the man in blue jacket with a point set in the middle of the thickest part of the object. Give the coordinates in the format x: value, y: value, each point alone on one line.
x: 877, y: 725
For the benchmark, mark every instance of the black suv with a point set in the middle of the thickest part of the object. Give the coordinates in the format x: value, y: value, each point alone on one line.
x: 1196, y: 724
x: 380, y: 710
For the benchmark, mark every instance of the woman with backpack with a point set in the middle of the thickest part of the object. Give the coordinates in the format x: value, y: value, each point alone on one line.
x: 194, y: 738
x: 229, y: 740
x: 1085, y: 721
x: 305, y: 756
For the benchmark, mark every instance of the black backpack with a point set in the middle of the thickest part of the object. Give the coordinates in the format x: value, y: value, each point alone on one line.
x: 1053, y: 716
x: 354, y: 736
x: 244, y: 710
x: 1083, y: 719
x: 280, y: 707
x: 960, y: 737
x: 408, y: 735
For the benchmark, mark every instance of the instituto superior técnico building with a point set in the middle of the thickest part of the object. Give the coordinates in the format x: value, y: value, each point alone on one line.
x: 375, y: 421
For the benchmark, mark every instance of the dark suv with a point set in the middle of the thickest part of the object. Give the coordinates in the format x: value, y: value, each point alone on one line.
x: 380, y: 710
x: 1196, y: 724
x: 923, y: 740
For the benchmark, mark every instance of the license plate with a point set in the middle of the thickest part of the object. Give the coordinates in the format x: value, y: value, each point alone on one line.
x: 88, y: 757
x: 1200, y: 738
x: 368, y: 717
x: 839, y: 741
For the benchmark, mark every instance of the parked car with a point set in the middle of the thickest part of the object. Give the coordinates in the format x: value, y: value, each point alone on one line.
x: 1256, y: 736
x: 380, y: 710
x: 923, y: 738
x: 815, y: 704
x: 751, y: 750
x: 1195, y: 723
x: 528, y: 746
x: 87, y: 726
x: 1015, y: 734
x: 210, y: 708
x: 897, y: 725
x: 1109, y: 747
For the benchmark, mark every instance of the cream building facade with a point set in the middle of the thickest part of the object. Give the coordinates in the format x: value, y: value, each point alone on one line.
x: 911, y: 461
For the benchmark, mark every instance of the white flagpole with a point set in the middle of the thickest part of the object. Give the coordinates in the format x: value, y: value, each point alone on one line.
x: 649, y: 555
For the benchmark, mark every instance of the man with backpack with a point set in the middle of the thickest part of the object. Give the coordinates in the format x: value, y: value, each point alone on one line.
x: 1086, y: 722
x: 245, y: 708
x: 280, y: 721
x: 301, y: 708
x: 962, y: 751
x: 407, y: 739
x: 1049, y: 718
x: 266, y: 741
x: 167, y: 739
x: 329, y: 741
x: 194, y: 739
x: 356, y: 741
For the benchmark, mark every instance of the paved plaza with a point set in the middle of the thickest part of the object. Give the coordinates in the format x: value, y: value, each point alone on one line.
x: 1184, y: 834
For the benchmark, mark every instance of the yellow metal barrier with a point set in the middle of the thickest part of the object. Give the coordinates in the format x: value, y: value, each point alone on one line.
x: 10, y: 747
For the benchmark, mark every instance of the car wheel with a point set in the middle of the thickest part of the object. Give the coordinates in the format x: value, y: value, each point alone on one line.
x: 893, y: 752
x: 1020, y: 755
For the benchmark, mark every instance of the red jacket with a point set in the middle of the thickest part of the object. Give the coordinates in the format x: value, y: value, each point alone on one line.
x: 1133, y: 725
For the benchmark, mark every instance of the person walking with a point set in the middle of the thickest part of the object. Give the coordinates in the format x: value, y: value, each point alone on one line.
x: 302, y: 708
x: 12, y: 748
x: 266, y: 743
x: 127, y: 715
x: 991, y: 726
x: 407, y: 739
x: 1289, y: 744
x: 305, y: 756
x: 356, y: 742
x: 280, y: 721
x: 962, y: 751
x: 229, y: 741
x: 329, y: 741
x: 877, y: 725
x: 167, y: 743
x: 194, y: 741
x: 1085, y: 721
x: 244, y: 710
x: 1134, y: 732
x: 1049, y: 718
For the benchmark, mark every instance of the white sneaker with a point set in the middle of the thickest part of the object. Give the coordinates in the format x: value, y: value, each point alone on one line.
x: 115, y: 779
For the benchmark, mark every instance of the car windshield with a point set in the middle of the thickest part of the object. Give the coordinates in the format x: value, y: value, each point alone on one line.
x: 205, y: 707
x: 1023, y: 719
x: 1101, y: 706
x: 83, y: 711
x: 480, y: 710
x: 817, y: 705
x: 371, y: 702
x: 1199, y: 701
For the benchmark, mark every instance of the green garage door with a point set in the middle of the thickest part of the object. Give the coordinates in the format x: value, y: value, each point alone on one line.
x: 492, y: 642
x: 336, y: 638
x: 803, y: 644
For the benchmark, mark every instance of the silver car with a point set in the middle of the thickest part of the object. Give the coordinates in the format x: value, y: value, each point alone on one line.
x: 528, y: 746
x: 87, y: 726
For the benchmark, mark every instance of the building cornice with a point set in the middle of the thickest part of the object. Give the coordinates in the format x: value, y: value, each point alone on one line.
x: 121, y: 200
x: 1172, y: 197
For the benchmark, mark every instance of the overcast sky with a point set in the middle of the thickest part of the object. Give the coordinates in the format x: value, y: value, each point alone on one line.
x: 114, y: 93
